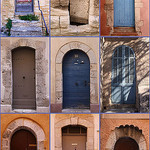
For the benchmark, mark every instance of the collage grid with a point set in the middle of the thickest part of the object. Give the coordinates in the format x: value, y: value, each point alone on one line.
x: 49, y: 38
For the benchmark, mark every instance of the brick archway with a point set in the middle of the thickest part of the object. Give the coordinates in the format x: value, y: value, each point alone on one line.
x: 74, y: 121
x: 41, y: 69
x: 126, y: 131
x: 93, y: 71
x: 23, y: 124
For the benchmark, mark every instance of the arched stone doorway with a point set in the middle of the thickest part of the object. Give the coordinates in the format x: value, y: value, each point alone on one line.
x: 130, y: 132
x: 59, y: 74
x: 23, y: 124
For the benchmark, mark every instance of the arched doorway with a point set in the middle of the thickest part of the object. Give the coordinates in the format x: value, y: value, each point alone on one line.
x: 124, y: 13
x: 74, y: 137
x: 23, y: 7
x: 123, y: 89
x: 76, y: 80
x: 126, y: 143
x: 23, y: 66
x: 23, y: 139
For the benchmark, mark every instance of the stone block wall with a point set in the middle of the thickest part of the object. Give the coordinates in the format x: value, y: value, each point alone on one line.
x: 8, y: 10
x: 140, y: 47
x: 60, y: 17
x: 41, y: 47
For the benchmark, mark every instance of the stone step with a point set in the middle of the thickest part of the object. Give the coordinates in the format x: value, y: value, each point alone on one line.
x: 124, y: 34
x: 26, y: 28
x: 124, y: 29
x: 125, y: 110
x: 26, y: 31
x: 17, y: 22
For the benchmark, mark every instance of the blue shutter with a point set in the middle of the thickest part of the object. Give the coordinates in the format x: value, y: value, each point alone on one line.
x: 124, y: 13
x: 123, y: 89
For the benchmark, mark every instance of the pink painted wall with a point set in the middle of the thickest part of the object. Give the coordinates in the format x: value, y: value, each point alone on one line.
x: 145, y: 17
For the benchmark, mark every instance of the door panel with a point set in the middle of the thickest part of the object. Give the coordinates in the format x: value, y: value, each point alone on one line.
x: 24, y: 6
x: 124, y: 15
x: 74, y: 142
x: 23, y: 140
x: 123, y: 76
x: 76, y: 80
x: 23, y: 64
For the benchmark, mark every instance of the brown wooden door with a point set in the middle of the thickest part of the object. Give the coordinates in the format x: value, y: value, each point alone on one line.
x: 23, y: 65
x: 126, y: 143
x: 23, y: 140
x: 74, y: 138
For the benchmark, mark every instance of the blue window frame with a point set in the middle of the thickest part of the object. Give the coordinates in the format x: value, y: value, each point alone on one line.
x: 123, y: 90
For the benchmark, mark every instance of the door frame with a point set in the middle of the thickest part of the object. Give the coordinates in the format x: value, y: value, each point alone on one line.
x: 34, y: 73
x: 93, y: 71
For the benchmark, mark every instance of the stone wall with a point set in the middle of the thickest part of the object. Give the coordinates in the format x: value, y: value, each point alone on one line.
x: 59, y: 47
x: 116, y: 126
x: 60, y: 18
x: 41, y: 47
x: 8, y: 10
x: 37, y: 124
x: 141, y: 17
x: 140, y: 47
x: 91, y: 122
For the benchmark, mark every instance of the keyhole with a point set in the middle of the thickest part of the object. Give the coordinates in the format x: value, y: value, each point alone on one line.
x: 23, y: 77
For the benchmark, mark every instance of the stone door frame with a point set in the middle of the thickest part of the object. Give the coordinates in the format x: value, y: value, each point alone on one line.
x: 74, y: 121
x: 59, y: 76
x: 126, y: 131
x: 109, y: 8
x: 27, y: 124
x: 40, y: 72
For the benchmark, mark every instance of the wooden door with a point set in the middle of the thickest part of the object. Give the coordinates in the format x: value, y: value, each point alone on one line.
x: 74, y: 138
x: 76, y: 80
x: 24, y: 6
x: 23, y: 140
x: 124, y: 13
x: 123, y: 76
x: 23, y: 65
x: 126, y: 143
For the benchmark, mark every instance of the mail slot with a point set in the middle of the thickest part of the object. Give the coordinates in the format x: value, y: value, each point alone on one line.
x: 32, y: 145
x: 74, y: 144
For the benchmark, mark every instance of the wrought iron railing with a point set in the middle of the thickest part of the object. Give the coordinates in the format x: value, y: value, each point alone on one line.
x: 43, y: 20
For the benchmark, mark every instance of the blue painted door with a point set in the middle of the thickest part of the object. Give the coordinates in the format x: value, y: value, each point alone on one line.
x: 76, y: 80
x: 124, y: 14
x: 123, y: 76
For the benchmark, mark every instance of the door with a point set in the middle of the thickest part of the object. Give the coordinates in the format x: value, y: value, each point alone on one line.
x: 23, y: 140
x: 76, y: 80
x: 74, y: 138
x: 23, y: 65
x: 123, y: 76
x: 126, y: 143
x: 24, y: 6
x: 124, y: 13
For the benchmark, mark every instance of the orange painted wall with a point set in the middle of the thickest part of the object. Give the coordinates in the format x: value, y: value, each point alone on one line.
x: 41, y: 119
x: 145, y: 16
x: 105, y: 30
x: 108, y: 125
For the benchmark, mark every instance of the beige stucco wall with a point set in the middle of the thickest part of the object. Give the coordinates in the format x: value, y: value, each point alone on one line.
x: 110, y: 121
x: 56, y: 44
x: 41, y: 46
x: 140, y: 47
x: 75, y: 119
x: 8, y: 10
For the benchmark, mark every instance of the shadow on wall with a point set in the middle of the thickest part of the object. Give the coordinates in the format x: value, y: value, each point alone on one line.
x: 140, y: 47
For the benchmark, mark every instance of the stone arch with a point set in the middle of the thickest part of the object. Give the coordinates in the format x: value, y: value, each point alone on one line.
x: 93, y: 70
x: 126, y: 131
x: 41, y: 69
x: 23, y: 123
x: 74, y: 121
